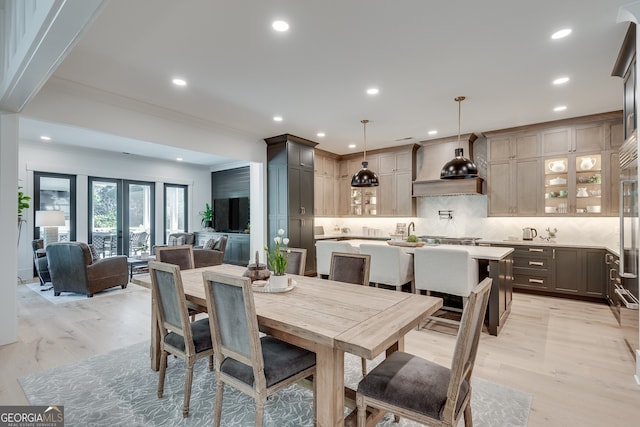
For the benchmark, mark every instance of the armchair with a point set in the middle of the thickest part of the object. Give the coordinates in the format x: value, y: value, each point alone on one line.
x: 73, y: 270
x: 206, y: 257
x: 40, y: 261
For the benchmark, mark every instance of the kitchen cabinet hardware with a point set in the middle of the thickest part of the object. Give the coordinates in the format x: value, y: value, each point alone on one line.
x: 538, y: 281
x: 554, y: 254
x: 536, y: 250
x: 536, y: 263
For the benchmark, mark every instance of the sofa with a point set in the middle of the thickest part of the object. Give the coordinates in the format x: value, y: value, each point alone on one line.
x: 202, y: 256
x: 73, y: 269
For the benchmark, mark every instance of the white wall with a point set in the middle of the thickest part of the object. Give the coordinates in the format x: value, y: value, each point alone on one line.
x: 51, y: 157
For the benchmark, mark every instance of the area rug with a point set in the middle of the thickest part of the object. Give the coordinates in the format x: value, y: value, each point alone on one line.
x: 65, y: 297
x: 119, y: 389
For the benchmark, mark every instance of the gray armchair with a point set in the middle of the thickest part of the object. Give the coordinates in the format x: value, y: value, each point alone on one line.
x: 73, y: 270
x: 206, y: 257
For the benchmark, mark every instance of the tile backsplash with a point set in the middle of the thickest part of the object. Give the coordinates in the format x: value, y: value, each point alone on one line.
x: 469, y: 219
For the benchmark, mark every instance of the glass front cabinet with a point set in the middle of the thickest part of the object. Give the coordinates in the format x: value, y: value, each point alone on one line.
x: 573, y: 185
x: 364, y: 201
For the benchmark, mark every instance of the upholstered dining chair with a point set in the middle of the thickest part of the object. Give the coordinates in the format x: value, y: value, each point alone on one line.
x: 255, y: 366
x: 421, y: 390
x: 445, y: 270
x: 324, y: 249
x: 390, y: 265
x: 351, y: 268
x: 181, y: 256
x: 186, y: 340
x: 296, y: 261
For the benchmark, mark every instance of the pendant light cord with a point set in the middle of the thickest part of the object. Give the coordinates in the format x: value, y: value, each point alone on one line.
x: 364, y: 126
x: 459, y: 100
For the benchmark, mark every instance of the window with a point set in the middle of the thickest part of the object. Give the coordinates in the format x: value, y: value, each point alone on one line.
x: 175, y: 209
x: 56, y: 192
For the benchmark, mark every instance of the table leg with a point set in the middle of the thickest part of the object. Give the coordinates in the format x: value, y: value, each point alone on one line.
x: 329, y: 387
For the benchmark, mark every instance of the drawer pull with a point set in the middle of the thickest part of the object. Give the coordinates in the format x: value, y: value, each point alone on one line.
x: 536, y: 250
x: 538, y: 281
x: 537, y: 263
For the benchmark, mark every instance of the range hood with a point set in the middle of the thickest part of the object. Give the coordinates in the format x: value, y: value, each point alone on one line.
x: 430, y: 158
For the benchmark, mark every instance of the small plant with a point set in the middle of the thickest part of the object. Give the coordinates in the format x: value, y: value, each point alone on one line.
x: 277, y: 258
x: 552, y: 232
x: 23, y: 202
x: 412, y: 238
x: 207, y: 215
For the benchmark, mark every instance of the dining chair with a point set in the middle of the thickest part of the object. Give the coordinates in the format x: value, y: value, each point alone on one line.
x: 178, y: 255
x: 186, y: 340
x: 257, y: 366
x: 351, y: 268
x: 324, y: 249
x: 390, y: 265
x: 445, y: 270
x: 424, y: 391
x: 296, y: 260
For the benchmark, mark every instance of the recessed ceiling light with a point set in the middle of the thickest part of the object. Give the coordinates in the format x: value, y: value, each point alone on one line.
x: 277, y: 118
x: 320, y: 135
x: 179, y: 82
x: 560, y: 108
x: 433, y: 132
x: 373, y: 91
x: 352, y: 145
x: 561, y: 80
x: 280, y: 26
x: 561, y: 34
x: 179, y: 159
x: 45, y: 138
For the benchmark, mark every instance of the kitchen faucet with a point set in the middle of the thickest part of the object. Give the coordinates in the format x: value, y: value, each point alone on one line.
x: 411, y: 224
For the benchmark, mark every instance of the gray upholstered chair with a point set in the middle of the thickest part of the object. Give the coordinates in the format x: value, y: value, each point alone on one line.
x: 72, y: 269
x: 203, y: 257
x: 189, y: 341
x: 354, y: 269
x: 181, y: 256
x: 421, y: 390
x: 256, y: 366
x: 324, y: 249
x: 40, y: 261
x: 296, y: 260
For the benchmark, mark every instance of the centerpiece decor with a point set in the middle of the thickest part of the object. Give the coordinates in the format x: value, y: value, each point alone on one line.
x: 277, y: 259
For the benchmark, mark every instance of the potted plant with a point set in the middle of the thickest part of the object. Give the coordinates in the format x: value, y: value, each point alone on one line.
x: 207, y: 216
x: 277, y: 260
x: 23, y: 203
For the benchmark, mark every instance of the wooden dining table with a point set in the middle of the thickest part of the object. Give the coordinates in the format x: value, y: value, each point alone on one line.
x: 327, y: 317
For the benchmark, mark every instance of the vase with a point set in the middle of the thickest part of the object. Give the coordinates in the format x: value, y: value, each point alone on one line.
x: 278, y: 282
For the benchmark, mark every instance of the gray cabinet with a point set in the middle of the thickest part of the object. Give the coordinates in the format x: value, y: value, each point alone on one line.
x: 290, y: 189
x: 558, y: 270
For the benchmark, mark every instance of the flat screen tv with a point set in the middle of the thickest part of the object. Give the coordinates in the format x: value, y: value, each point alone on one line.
x: 231, y: 215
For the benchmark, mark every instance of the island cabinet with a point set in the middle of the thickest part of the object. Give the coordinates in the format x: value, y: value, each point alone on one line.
x: 612, y: 270
x: 558, y: 270
x: 290, y: 190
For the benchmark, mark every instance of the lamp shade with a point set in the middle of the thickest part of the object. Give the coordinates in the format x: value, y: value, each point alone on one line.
x: 459, y: 168
x: 364, y: 177
x: 49, y: 218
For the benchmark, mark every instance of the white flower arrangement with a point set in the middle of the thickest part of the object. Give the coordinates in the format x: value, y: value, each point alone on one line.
x: 277, y: 258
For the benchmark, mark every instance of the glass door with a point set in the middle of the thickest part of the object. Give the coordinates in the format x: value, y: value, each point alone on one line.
x: 175, y: 209
x: 121, y: 216
x: 56, y: 192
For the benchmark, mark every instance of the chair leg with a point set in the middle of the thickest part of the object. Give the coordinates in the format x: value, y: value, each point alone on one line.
x: 362, y: 411
x: 163, y: 372
x: 187, y: 389
x: 468, y: 421
x: 364, y: 366
x: 211, y: 363
x: 260, y: 402
x: 217, y: 414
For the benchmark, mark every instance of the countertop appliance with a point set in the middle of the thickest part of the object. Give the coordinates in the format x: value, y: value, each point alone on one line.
x: 528, y: 233
x: 625, y: 298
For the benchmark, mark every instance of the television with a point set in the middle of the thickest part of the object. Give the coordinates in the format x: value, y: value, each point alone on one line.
x: 231, y: 214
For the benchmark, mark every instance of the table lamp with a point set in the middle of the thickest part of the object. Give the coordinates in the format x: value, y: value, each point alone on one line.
x: 49, y: 221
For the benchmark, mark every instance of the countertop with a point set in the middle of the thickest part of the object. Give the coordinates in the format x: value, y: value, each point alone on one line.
x: 539, y: 242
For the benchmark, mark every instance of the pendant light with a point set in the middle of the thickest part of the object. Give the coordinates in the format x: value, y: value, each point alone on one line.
x: 364, y: 177
x: 460, y: 167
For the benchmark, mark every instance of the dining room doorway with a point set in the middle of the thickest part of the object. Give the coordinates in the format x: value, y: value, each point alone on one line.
x: 121, y: 216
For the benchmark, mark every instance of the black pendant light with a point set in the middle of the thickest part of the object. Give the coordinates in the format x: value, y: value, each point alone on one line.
x: 459, y: 167
x: 364, y: 177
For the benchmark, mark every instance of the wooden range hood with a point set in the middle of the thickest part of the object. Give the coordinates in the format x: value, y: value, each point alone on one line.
x: 447, y: 187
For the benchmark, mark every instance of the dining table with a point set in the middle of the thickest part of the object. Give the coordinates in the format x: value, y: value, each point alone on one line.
x: 328, y: 317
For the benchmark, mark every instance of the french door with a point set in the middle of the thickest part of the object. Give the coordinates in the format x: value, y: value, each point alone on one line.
x: 175, y: 209
x: 121, y: 216
x: 56, y: 192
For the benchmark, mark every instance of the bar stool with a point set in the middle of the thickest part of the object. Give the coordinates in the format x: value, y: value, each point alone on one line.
x: 390, y: 265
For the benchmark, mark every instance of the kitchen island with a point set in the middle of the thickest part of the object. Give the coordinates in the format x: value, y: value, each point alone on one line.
x: 494, y: 262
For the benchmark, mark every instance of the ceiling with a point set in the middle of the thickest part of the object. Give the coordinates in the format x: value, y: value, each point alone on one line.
x: 420, y: 54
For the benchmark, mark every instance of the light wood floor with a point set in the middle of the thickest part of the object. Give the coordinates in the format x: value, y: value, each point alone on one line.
x: 568, y: 354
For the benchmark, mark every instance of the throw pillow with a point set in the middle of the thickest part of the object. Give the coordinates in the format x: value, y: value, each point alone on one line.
x: 210, y: 243
x: 180, y: 241
x: 94, y: 253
